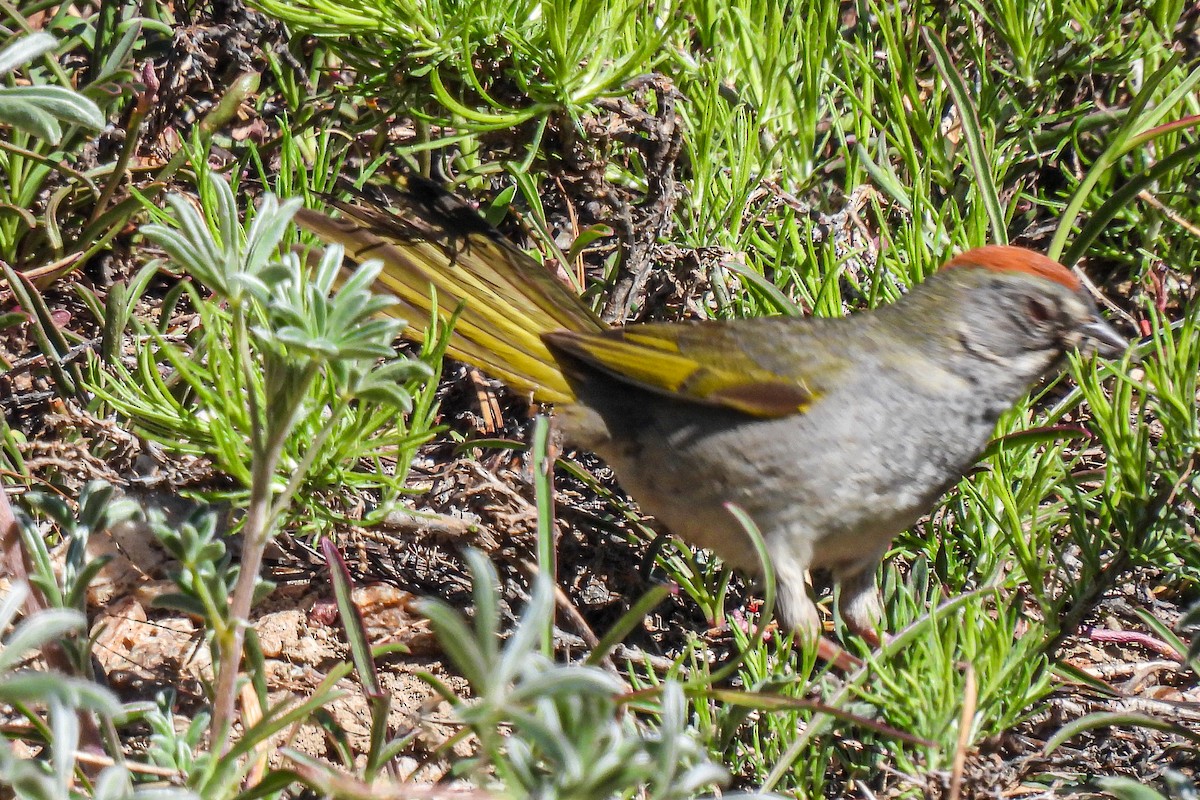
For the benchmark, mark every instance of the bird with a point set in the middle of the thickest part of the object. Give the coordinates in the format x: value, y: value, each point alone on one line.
x: 833, y: 435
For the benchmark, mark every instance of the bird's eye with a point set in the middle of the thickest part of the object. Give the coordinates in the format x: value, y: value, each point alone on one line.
x: 1039, y: 310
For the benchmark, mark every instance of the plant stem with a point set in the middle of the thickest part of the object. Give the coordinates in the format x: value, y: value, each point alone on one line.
x: 267, y: 440
x: 255, y: 533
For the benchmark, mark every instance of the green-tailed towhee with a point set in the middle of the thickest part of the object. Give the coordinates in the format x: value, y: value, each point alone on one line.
x: 832, y: 434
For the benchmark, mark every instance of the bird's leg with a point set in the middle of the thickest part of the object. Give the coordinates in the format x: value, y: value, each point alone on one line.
x: 795, y: 610
x: 860, y: 605
x: 833, y: 653
x: 799, y: 613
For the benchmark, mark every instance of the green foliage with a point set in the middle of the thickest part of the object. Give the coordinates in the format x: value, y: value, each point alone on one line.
x: 298, y: 356
x: 488, y: 64
x: 175, y: 746
x: 547, y: 730
x: 21, y: 687
x: 96, y: 510
x: 205, y: 575
x: 756, y: 85
x: 1147, y: 421
x: 57, y: 706
x: 285, y: 363
x: 920, y: 687
x: 1177, y: 786
x: 384, y: 747
x: 51, y: 122
x: 39, y: 111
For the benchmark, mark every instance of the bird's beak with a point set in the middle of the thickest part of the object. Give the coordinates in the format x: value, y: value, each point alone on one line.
x: 1098, y: 335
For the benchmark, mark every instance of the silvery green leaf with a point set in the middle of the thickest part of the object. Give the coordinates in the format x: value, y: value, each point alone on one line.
x: 40, y: 629
x: 28, y: 118
x: 61, y: 103
x: 24, y: 50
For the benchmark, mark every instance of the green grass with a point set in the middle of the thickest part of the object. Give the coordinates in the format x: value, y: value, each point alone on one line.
x: 829, y: 156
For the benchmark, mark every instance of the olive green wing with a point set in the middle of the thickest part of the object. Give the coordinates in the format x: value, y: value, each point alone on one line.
x: 715, y: 363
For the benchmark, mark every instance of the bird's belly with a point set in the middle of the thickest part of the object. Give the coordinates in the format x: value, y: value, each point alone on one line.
x: 822, y: 487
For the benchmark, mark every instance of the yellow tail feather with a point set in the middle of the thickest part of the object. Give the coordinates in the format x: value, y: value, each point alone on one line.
x: 436, y: 245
